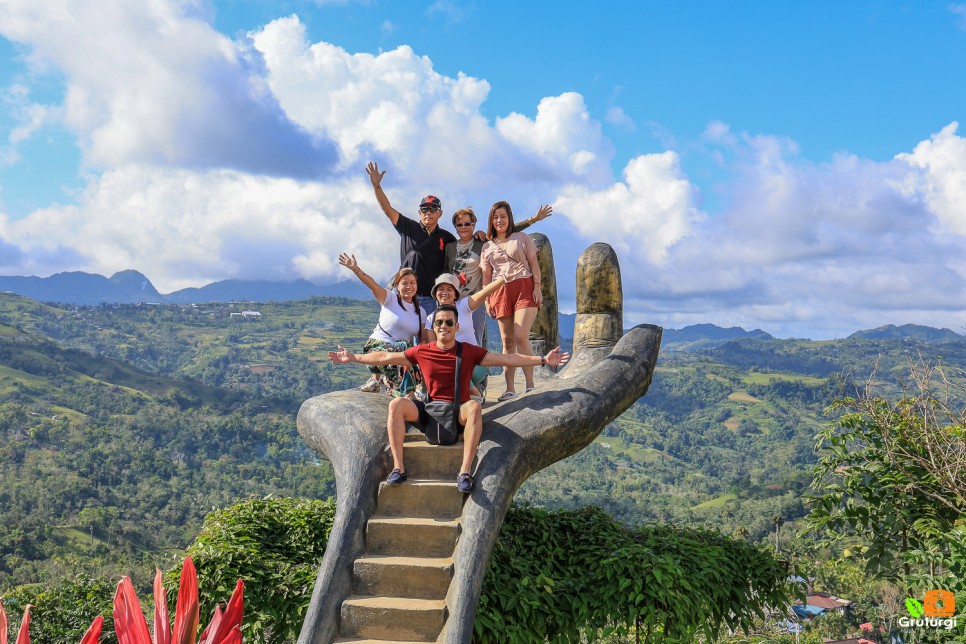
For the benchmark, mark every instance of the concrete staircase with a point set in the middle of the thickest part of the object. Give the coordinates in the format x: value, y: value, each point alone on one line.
x: 400, y: 583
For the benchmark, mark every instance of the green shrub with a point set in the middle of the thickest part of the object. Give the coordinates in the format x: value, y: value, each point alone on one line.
x: 275, y: 546
x: 63, y: 612
x: 570, y: 575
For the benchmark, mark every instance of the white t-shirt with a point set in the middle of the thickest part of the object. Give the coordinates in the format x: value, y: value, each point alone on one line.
x: 465, y: 334
x: 396, y: 323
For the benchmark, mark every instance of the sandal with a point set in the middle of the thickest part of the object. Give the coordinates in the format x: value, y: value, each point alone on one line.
x: 529, y: 389
x: 506, y: 396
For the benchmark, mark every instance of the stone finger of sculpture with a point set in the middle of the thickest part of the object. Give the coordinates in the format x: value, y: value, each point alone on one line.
x: 545, y: 333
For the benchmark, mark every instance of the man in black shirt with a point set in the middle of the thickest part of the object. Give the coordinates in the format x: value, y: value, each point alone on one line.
x: 421, y: 243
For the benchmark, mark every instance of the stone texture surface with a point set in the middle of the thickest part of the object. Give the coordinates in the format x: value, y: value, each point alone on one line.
x: 545, y: 334
x: 609, y: 371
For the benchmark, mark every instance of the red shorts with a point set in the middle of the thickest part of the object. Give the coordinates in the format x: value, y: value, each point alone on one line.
x: 516, y: 295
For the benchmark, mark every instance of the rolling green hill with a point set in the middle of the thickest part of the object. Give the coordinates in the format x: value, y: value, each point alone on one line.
x: 122, y: 426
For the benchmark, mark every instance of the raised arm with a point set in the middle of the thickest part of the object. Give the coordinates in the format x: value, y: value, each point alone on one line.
x: 375, y: 178
x: 376, y: 358
x: 545, y: 211
x: 476, y: 299
x: 555, y: 358
x: 378, y: 292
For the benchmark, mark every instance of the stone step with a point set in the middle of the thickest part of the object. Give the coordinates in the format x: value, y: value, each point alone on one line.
x: 416, y: 577
x: 425, y: 461
x: 420, y: 498
x: 410, y: 536
x: 393, y: 618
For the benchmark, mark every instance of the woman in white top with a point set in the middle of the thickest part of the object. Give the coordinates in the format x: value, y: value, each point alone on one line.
x: 446, y: 291
x: 400, y: 327
x: 513, y: 257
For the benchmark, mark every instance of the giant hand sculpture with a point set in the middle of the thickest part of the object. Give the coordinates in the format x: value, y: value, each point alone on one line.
x: 609, y: 371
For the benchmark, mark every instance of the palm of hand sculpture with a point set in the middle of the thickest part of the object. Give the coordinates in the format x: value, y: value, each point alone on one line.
x: 608, y: 372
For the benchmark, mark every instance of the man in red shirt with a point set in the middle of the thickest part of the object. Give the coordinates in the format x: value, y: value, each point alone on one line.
x: 437, y: 361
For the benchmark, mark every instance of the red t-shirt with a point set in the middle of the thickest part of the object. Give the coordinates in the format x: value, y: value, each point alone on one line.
x: 439, y: 368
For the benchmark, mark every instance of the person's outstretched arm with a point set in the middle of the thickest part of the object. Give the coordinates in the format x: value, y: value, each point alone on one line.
x: 376, y: 358
x: 555, y: 358
x: 378, y: 292
x: 375, y: 178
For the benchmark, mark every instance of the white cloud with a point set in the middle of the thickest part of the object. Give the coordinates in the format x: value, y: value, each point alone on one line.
x: 396, y: 106
x: 941, y: 181
x: 153, y: 83
x: 645, y: 214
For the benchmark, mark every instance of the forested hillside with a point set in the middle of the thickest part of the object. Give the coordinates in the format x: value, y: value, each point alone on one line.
x: 122, y: 426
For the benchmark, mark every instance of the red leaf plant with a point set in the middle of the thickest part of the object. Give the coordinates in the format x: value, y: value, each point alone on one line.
x: 23, y: 635
x: 132, y: 628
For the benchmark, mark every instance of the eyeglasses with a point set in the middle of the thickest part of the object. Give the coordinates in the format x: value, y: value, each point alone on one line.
x: 468, y: 224
x: 429, y: 209
x: 442, y: 322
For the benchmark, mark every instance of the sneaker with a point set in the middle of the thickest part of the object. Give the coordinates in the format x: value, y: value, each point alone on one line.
x: 482, y: 389
x: 464, y: 483
x: 371, y: 386
x: 396, y: 477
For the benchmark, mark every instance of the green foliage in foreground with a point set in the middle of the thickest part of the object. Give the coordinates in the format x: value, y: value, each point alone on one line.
x: 62, y: 613
x: 275, y: 546
x: 553, y: 575
x: 567, y: 575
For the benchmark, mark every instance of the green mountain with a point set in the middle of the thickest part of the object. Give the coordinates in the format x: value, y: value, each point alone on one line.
x: 910, y: 332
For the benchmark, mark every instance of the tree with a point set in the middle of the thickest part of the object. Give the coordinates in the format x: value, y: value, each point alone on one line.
x: 891, y: 480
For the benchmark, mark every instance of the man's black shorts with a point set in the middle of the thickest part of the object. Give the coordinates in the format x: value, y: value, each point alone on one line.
x: 424, y: 417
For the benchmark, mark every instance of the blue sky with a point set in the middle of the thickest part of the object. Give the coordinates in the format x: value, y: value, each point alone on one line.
x: 796, y: 167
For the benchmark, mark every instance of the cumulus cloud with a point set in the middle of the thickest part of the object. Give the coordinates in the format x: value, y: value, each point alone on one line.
x: 643, y: 215
x: 941, y: 177
x: 153, y: 83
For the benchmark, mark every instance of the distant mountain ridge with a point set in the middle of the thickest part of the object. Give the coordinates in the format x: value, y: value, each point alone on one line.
x: 705, y: 336
x: 909, y: 331
x: 132, y: 287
